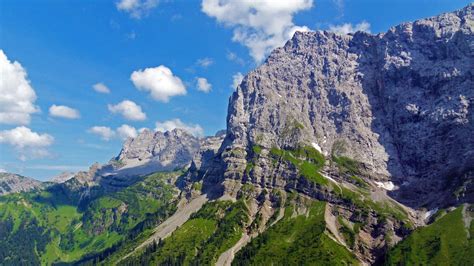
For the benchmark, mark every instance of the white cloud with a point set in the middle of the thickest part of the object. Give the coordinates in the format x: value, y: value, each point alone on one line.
x: 236, y: 80
x: 159, y: 81
x: 129, y: 110
x: 136, y: 8
x: 126, y: 131
x: 169, y: 125
x: 205, y: 62
x: 231, y: 56
x: 259, y: 25
x: 27, y: 143
x: 63, y: 111
x: 105, y: 133
x: 101, y: 88
x: 3, y: 170
x: 17, y: 97
x: 349, y: 28
x: 203, y: 85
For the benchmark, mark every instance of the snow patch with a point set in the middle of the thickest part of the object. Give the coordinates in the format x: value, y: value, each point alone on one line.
x: 330, y: 178
x: 385, y: 185
x: 316, y: 146
x: 430, y: 213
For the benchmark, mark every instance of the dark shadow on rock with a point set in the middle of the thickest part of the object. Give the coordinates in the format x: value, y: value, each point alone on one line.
x: 422, y: 111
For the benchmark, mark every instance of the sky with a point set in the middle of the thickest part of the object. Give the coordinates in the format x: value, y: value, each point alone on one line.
x: 79, y: 77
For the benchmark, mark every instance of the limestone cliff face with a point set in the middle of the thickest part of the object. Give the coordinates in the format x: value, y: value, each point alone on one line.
x: 13, y: 183
x: 171, y: 149
x: 401, y: 103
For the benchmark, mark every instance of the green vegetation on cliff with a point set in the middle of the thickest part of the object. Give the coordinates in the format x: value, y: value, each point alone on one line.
x: 447, y: 241
x: 296, y: 240
x: 306, y: 159
x: 207, y: 234
x: 47, y: 227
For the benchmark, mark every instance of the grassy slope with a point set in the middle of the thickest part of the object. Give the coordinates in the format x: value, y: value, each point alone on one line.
x: 306, y: 159
x: 207, y: 234
x: 444, y: 242
x: 296, y: 240
x: 68, y: 234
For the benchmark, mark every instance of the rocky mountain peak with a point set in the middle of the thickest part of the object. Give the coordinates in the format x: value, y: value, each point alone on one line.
x: 400, y: 103
x: 12, y: 183
x: 173, y: 148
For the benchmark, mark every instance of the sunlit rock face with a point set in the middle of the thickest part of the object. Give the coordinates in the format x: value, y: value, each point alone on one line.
x: 12, y: 183
x: 399, y: 102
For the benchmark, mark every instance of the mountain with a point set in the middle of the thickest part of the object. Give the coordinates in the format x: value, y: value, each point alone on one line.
x: 398, y: 103
x: 339, y: 150
x: 13, y: 183
x: 162, y: 151
x: 62, y: 177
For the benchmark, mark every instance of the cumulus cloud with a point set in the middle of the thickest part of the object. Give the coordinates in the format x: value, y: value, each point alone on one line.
x: 347, y: 28
x: 17, y: 97
x: 231, y: 56
x: 105, y: 133
x: 2, y: 170
x: 159, y: 82
x: 129, y: 110
x: 101, y: 88
x: 205, y: 62
x: 27, y: 143
x: 126, y: 131
x: 203, y: 85
x: 136, y: 8
x: 169, y: 125
x: 63, y: 111
x: 259, y: 25
x: 236, y: 80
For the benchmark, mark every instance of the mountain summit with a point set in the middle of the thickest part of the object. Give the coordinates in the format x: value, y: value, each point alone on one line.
x: 399, y: 103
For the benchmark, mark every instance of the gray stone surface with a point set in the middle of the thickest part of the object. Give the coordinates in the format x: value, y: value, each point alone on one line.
x: 12, y: 183
x: 400, y: 102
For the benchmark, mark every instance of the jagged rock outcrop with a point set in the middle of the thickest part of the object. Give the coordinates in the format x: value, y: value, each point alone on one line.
x: 171, y: 149
x: 398, y: 102
x: 62, y: 177
x: 12, y: 183
x: 148, y: 153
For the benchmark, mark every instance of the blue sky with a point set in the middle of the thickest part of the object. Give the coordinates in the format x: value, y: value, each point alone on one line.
x: 65, y: 47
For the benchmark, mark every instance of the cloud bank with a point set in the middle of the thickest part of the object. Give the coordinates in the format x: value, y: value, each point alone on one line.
x: 17, y: 97
x: 261, y: 25
x: 27, y: 143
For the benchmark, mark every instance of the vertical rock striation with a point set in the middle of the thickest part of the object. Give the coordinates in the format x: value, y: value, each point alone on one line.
x: 400, y: 102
